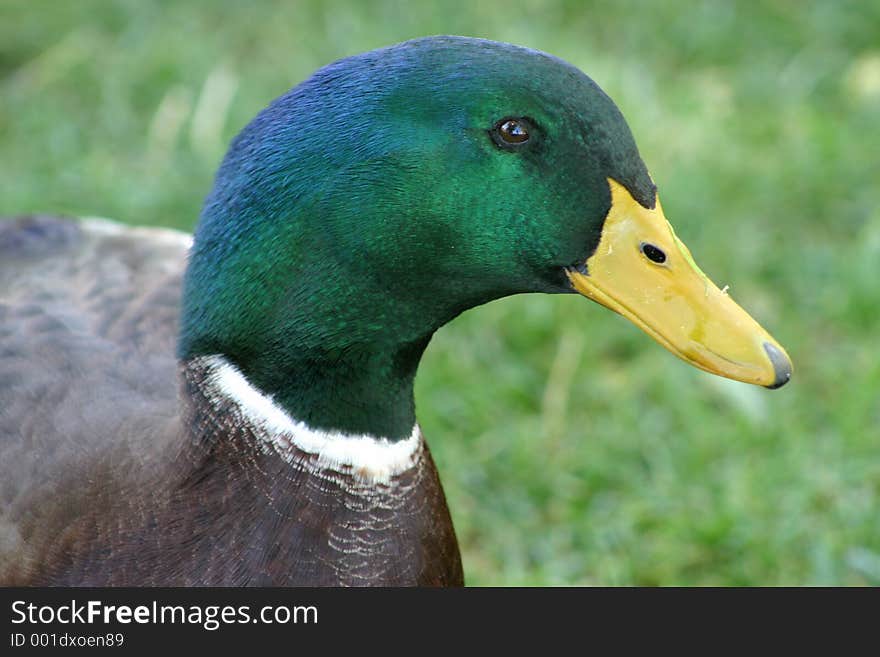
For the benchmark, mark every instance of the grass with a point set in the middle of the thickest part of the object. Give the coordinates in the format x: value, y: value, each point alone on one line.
x: 573, y: 449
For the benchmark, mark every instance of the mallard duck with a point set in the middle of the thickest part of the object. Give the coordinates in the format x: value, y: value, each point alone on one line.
x: 237, y: 408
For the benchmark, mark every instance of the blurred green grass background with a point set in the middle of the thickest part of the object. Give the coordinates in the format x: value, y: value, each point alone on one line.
x: 573, y: 449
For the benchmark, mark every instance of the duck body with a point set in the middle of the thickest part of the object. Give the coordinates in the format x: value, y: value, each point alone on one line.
x: 237, y: 408
x: 155, y: 493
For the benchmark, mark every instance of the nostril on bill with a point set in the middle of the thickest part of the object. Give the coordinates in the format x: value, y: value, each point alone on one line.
x: 781, y: 366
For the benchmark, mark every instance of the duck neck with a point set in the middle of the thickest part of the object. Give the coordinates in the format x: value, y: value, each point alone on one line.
x: 363, y: 391
x: 306, y: 288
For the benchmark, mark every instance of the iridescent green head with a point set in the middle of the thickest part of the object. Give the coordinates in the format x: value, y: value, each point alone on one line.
x: 383, y: 196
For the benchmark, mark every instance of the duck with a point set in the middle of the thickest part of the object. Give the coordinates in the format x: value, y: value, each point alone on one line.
x: 235, y: 407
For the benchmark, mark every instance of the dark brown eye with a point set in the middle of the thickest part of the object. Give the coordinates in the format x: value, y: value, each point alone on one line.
x: 511, y: 133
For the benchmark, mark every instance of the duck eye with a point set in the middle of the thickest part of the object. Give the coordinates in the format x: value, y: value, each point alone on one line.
x: 513, y: 132
x: 653, y: 253
x: 510, y: 132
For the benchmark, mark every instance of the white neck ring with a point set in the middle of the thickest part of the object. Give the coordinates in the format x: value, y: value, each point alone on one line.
x: 370, y: 459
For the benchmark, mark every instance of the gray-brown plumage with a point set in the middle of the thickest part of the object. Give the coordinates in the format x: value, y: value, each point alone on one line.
x: 114, y: 469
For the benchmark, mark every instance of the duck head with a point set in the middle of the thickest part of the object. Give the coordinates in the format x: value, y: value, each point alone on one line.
x: 393, y: 190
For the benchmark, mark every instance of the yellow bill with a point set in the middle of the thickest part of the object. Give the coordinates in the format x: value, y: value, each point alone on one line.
x: 644, y: 272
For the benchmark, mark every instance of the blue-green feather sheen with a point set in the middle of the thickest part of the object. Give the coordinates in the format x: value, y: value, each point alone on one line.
x: 369, y: 205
